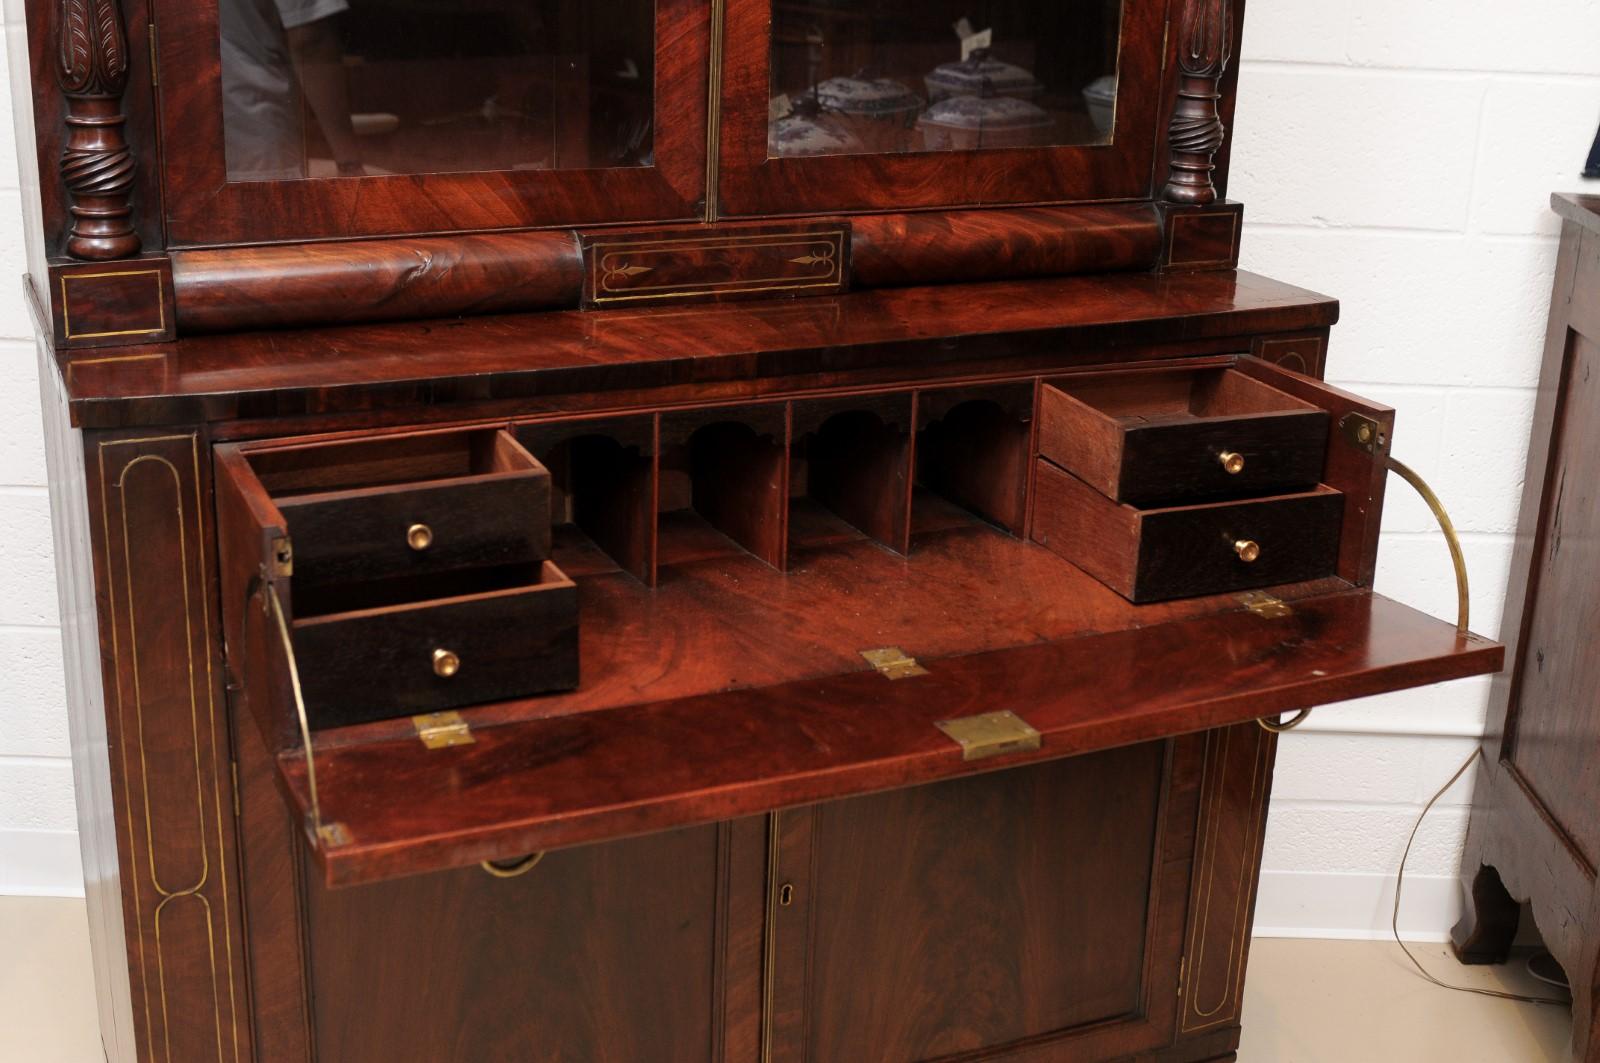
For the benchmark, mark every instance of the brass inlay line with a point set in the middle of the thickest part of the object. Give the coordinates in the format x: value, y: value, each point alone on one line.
x: 1232, y: 982
x: 610, y: 272
x: 194, y: 890
x: 714, y: 111
x: 1172, y: 240
x: 161, y: 305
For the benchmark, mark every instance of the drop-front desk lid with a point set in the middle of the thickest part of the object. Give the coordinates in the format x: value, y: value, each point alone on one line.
x: 731, y: 687
x: 736, y: 690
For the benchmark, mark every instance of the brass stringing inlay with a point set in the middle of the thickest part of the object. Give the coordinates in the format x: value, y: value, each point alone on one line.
x: 169, y: 894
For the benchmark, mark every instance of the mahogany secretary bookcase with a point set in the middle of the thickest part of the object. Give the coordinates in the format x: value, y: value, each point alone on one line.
x: 714, y: 530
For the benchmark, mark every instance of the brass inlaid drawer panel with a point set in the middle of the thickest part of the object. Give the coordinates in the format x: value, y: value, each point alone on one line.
x: 715, y: 263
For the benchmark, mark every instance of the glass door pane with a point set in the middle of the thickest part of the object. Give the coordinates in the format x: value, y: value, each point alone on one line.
x: 898, y: 76
x: 352, y: 88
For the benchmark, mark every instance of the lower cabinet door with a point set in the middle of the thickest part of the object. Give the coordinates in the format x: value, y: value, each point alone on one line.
x: 1035, y: 913
x: 599, y: 954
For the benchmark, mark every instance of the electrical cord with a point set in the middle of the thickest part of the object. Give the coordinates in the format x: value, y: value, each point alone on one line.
x: 1399, y: 882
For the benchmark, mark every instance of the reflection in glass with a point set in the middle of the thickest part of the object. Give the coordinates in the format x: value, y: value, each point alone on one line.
x: 330, y: 88
x: 887, y: 76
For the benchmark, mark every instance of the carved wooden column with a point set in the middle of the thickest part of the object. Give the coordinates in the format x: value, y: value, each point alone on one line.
x: 1205, y: 44
x: 96, y: 164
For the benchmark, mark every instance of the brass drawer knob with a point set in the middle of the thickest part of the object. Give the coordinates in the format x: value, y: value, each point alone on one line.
x: 1247, y: 549
x: 445, y: 664
x: 1232, y: 462
x: 419, y: 537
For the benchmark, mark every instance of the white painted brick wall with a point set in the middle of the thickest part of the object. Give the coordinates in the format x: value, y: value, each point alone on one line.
x: 1398, y: 154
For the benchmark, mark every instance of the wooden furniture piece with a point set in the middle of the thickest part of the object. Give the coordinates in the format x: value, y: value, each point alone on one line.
x: 510, y: 331
x: 1534, y: 837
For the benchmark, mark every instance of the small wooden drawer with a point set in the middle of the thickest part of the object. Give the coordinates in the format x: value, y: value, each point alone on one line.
x: 1149, y: 438
x: 1149, y: 555
x: 503, y: 634
x: 405, y: 505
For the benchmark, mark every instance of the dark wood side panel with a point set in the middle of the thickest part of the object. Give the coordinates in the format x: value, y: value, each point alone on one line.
x: 167, y: 725
x: 603, y: 954
x: 1552, y: 728
x: 1532, y: 836
x: 94, y: 788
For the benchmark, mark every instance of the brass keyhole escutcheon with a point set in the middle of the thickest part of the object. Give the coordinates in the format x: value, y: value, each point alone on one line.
x: 445, y: 663
x: 1232, y: 462
x: 419, y: 537
x: 786, y: 894
x: 1247, y: 549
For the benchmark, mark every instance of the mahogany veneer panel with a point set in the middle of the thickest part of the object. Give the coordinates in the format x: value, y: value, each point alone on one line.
x: 603, y: 954
x: 982, y: 911
x: 543, y: 784
x: 508, y: 360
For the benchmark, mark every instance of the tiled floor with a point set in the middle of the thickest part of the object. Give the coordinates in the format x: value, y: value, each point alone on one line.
x: 1305, y: 1001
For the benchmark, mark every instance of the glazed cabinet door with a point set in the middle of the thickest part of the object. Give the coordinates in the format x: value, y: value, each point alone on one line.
x: 903, y: 105
x: 1033, y: 914
x: 297, y: 120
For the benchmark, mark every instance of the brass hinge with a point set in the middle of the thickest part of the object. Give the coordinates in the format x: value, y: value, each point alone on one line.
x: 441, y: 730
x: 334, y: 835
x: 990, y: 734
x: 892, y: 663
x: 155, y: 65
x: 283, y: 557
x: 233, y: 768
x: 1362, y: 432
x: 1263, y: 604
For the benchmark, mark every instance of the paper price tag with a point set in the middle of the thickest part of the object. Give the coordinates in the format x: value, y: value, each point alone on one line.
x: 972, y: 42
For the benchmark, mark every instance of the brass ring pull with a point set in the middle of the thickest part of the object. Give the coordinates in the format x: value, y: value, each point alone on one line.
x: 1247, y: 549
x: 1232, y: 462
x: 419, y: 537
x: 514, y: 868
x: 445, y: 663
x: 1278, y: 728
